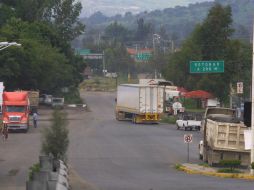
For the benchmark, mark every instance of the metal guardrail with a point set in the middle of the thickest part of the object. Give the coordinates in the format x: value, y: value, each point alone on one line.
x: 53, y: 175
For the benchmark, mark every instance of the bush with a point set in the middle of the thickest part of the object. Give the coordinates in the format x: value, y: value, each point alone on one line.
x: 56, y: 139
x: 230, y: 163
x: 252, y: 165
x: 73, y: 96
x: 33, y: 169
x: 169, y: 119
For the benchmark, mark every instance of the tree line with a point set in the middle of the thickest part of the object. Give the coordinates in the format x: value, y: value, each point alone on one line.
x: 212, y: 39
x: 45, y: 28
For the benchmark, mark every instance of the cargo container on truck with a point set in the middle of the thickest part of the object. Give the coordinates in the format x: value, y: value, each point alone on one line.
x: 139, y: 103
x: 34, y: 101
x: 16, y: 110
x: 223, y: 137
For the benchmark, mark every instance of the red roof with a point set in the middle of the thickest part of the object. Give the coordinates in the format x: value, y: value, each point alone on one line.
x: 201, y: 94
x: 135, y: 51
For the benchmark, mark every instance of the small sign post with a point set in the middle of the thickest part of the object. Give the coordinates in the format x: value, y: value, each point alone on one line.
x: 188, y: 140
x: 239, y: 87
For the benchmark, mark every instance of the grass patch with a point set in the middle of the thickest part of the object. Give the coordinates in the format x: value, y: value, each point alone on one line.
x: 195, y: 110
x: 104, y: 84
x: 204, y: 165
x: 168, y: 119
x: 178, y: 166
x: 228, y: 170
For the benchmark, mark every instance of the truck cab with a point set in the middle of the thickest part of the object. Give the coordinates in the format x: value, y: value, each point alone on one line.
x: 16, y: 110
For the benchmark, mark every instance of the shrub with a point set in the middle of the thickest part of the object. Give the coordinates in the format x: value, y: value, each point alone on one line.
x: 56, y: 139
x: 252, y: 165
x: 33, y: 169
x: 230, y: 163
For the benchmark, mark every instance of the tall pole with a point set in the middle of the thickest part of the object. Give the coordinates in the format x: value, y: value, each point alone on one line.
x: 252, y: 102
x: 103, y: 63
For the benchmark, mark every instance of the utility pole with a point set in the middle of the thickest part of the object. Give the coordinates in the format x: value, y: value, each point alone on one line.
x: 252, y: 102
x: 157, y: 37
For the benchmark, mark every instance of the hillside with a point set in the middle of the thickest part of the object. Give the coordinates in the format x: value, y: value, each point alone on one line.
x: 113, y: 7
x: 180, y: 21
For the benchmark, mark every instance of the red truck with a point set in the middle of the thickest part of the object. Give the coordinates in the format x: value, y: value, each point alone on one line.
x: 16, y: 110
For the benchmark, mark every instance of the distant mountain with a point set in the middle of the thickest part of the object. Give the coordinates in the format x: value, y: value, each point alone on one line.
x: 180, y: 21
x: 113, y: 7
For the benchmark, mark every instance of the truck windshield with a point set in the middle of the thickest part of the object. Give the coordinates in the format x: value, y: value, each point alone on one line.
x: 15, y: 108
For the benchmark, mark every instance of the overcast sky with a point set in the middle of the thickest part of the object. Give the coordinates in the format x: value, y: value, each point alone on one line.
x: 112, y: 7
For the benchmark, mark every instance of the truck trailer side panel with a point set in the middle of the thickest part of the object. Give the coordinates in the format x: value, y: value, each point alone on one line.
x: 141, y: 102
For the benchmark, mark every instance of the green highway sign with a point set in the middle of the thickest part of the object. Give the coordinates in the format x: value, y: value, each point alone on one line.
x: 83, y: 51
x: 207, y: 67
x: 143, y: 56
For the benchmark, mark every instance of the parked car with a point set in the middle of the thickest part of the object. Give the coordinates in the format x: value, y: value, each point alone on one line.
x: 189, y: 122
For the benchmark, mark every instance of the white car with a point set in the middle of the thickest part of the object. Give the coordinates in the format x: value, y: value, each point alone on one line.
x: 188, y: 122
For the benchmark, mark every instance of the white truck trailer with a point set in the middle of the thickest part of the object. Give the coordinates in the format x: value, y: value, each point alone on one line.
x: 139, y: 103
x: 223, y: 137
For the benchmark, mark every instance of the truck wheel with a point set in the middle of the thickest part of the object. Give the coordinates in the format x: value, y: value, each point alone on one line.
x: 134, y: 120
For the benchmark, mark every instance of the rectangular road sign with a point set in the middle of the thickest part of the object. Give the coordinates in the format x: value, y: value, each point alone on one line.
x: 239, y: 87
x: 206, y: 66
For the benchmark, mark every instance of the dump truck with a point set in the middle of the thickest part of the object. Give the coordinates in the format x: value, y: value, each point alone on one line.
x: 34, y: 101
x: 16, y: 110
x: 139, y: 103
x: 223, y: 137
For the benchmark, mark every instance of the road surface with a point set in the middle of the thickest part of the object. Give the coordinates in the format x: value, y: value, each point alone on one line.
x: 114, y: 155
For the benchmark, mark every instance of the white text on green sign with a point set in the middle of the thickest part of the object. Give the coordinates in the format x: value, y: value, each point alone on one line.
x: 206, y: 66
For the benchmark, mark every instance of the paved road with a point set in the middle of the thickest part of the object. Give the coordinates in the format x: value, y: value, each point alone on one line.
x: 19, y: 153
x: 115, y: 155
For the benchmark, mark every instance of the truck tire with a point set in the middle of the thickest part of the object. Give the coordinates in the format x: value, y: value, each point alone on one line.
x: 117, y: 116
x: 134, y: 119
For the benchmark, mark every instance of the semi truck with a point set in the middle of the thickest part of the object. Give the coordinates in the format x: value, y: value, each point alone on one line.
x: 16, y: 110
x: 34, y: 100
x: 139, y: 103
x: 223, y: 137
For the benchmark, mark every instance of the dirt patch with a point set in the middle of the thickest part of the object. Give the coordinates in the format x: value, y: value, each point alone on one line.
x: 77, y: 183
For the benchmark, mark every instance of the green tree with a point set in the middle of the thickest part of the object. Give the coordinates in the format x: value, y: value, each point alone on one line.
x: 55, y: 139
x: 211, y: 40
x: 116, y: 32
x: 143, y: 30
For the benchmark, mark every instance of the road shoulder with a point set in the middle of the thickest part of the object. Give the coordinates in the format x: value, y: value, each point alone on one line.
x: 208, y: 171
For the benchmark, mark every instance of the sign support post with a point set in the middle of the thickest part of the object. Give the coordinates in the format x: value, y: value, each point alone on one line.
x: 252, y: 106
x: 188, y: 140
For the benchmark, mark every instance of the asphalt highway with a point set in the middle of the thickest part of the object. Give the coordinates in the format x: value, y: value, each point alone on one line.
x: 117, y: 155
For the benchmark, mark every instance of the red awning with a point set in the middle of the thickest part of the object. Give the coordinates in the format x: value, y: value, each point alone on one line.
x: 200, y: 94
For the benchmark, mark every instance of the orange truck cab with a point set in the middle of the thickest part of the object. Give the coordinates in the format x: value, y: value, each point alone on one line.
x: 16, y: 110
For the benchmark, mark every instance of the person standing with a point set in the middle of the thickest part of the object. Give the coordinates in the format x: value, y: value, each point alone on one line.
x: 35, y: 118
x: 5, y: 131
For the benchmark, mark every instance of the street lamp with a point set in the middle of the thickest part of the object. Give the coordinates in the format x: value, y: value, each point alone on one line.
x: 4, y: 45
x: 157, y: 38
